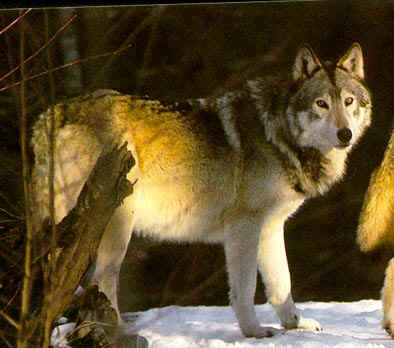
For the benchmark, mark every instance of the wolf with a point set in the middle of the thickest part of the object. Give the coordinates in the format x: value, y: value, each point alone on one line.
x: 376, y: 226
x: 229, y: 169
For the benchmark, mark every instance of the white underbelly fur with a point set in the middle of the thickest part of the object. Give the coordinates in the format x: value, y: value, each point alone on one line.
x: 166, y: 213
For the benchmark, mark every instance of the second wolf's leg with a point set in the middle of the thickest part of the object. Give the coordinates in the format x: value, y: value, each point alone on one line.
x: 275, y: 272
x: 388, y: 299
x: 111, y: 252
x: 241, y: 257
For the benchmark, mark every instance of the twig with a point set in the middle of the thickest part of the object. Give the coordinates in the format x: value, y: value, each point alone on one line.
x: 11, y: 214
x: 51, y: 134
x: 9, y: 319
x: 11, y: 300
x: 74, y: 62
x: 127, y: 43
x: 12, y: 258
x: 11, y: 205
x: 153, y: 37
x: 6, y: 221
x: 51, y: 175
x: 15, y: 21
x: 5, y: 340
x: 27, y: 279
x: 43, y: 47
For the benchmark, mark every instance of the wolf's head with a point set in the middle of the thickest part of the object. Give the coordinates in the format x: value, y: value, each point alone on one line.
x: 331, y: 105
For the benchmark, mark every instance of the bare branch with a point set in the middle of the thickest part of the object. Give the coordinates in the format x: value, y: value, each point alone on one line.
x: 51, y: 178
x: 9, y: 319
x: 74, y: 62
x: 43, y: 47
x: 15, y: 21
x: 126, y: 44
x: 27, y: 279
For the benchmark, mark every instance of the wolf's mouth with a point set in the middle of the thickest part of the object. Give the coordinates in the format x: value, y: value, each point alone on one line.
x: 343, y: 146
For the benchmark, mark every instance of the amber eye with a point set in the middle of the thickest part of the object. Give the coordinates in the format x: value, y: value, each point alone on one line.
x: 321, y: 104
x: 348, y: 101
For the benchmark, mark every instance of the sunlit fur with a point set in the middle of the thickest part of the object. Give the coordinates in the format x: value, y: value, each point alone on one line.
x: 376, y: 225
x: 230, y: 169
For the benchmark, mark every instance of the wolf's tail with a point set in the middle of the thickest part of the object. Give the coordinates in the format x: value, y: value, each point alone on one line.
x: 79, y: 125
x: 376, y: 224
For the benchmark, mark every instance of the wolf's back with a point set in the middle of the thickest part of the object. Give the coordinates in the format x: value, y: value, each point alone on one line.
x: 181, y: 154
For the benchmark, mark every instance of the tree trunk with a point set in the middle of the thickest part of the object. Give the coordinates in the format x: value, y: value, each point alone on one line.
x: 79, y: 235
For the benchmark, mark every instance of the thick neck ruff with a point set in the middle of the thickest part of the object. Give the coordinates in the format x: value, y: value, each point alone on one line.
x: 310, y: 172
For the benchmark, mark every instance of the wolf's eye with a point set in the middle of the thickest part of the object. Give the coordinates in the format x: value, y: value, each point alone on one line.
x: 348, y: 101
x: 321, y: 104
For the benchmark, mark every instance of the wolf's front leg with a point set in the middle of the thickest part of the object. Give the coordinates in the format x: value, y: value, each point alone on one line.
x: 241, y: 255
x: 275, y: 272
x: 388, y: 299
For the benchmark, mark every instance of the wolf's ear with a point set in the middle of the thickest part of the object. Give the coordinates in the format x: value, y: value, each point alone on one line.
x: 306, y: 63
x: 353, y: 61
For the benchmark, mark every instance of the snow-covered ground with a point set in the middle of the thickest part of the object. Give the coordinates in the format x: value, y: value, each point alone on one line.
x: 345, y: 325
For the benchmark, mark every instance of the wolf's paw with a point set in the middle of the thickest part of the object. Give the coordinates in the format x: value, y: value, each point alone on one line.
x: 261, y: 332
x: 388, y: 325
x: 309, y: 324
x: 129, y: 317
x: 302, y: 323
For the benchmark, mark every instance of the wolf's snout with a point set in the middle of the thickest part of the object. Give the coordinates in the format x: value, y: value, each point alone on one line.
x: 344, y: 135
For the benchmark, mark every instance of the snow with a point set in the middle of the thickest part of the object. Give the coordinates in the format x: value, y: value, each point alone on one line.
x: 345, y: 325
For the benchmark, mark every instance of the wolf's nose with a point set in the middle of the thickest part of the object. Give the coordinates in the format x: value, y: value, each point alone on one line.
x: 344, y: 135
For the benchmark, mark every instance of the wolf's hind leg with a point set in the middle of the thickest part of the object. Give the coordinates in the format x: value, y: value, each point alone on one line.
x: 388, y: 299
x: 111, y: 252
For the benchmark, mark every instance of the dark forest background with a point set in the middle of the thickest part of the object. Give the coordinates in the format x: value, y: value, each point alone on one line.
x: 187, y: 51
